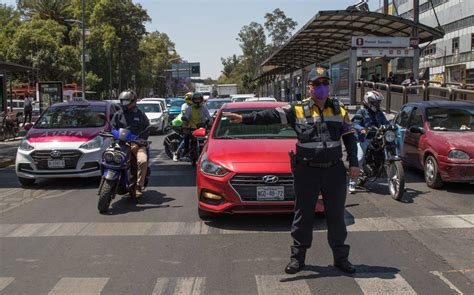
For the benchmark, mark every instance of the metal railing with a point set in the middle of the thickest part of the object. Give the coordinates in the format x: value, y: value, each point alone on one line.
x: 397, y: 95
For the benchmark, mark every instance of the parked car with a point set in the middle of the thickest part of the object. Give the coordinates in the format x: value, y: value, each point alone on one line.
x: 174, y: 106
x: 164, y: 106
x: 438, y: 138
x: 64, y: 142
x: 259, y: 99
x: 240, y: 97
x: 214, y: 104
x: 155, y: 114
x: 246, y: 168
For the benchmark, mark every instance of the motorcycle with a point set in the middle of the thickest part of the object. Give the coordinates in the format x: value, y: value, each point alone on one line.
x: 119, y: 167
x: 172, y: 140
x: 382, y: 159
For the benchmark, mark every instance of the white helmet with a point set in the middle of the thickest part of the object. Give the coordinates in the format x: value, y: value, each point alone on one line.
x: 370, y: 97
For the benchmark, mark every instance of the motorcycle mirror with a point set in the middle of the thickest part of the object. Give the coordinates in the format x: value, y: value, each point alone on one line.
x: 28, y: 126
x: 201, y: 132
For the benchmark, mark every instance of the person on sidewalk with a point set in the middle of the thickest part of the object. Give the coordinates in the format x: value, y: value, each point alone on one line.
x: 28, y: 109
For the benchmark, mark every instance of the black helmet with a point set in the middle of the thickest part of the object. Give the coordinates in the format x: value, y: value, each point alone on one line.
x: 127, y: 97
x: 197, y: 96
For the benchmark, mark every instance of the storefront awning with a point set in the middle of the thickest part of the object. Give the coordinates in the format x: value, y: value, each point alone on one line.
x: 330, y: 33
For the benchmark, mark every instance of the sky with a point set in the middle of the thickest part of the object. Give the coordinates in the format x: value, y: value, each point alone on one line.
x: 206, y: 30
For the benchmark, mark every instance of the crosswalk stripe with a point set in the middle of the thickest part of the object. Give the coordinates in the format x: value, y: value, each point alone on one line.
x: 277, y: 285
x: 79, y: 286
x: 383, y: 283
x: 5, y: 281
x: 180, y: 286
x: 378, y: 224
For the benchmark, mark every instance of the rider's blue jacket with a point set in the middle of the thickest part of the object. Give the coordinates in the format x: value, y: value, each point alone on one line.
x: 365, y: 118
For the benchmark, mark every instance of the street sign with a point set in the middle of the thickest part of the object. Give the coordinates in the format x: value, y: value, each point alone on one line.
x: 186, y: 70
x: 381, y: 42
x: 385, y: 52
x: 414, y: 42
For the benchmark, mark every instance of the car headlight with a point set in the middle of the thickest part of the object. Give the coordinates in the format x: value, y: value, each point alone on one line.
x: 211, y: 168
x: 25, y: 145
x: 458, y: 155
x: 118, y: 159
x: 154, y: 121
x: 390, y: 136
x: 108, y: 157
x: 93, y: 143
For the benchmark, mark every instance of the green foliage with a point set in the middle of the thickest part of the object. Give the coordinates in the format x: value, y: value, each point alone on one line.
x: 279, y: 27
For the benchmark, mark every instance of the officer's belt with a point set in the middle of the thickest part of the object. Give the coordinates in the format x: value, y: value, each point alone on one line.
x: 312, y: 163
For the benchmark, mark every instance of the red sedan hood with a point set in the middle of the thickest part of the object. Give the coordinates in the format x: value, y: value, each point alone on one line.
x: 250, y: 150
x: 63, y: 135
x: 458, y: 140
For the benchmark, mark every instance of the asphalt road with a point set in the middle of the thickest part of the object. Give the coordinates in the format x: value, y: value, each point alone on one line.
x: 53, y: 241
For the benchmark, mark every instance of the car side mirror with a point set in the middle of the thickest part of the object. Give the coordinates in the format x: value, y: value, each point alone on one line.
x: 28, y: 126
x: 417, y: 130
x: 201, y: 132
x: 168, y: 105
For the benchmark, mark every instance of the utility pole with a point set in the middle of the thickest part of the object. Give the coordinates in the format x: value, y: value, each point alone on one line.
x: 83, y: 70
x: 385, y: 6
x: 416, y: 56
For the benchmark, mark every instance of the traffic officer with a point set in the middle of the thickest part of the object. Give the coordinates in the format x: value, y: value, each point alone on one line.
x: 320, y: 122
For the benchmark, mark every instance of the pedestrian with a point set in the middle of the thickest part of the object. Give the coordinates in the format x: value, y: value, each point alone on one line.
x: 390, y: 79
x: 298, y: 91
x: 28, y: 109
x: 320, y: 122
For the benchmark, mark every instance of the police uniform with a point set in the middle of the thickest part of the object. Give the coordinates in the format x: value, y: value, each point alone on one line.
x: 317, y: 167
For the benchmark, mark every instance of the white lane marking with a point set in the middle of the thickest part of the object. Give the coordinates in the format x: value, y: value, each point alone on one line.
x: 383, y: 283
x: 5, y: 281
x: 446, y: 281
x: 180, y: 286
x: 379, y: 224
x: 8, y: 192
x: 82, y: 286
x: 273, y: 285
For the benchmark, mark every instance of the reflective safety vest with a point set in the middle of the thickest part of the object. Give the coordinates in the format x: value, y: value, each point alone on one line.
x: 319, y: 132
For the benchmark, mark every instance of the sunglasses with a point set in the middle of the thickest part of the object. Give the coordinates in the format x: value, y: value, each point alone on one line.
x: 319, y: 83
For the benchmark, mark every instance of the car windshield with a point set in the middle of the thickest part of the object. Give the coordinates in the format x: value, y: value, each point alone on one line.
x: 176, y: 103
x: 215, y: 104
x: 227, y: 130
x: 451, y: 119
x: 239, y: 99
x: 149, y: 107
x: 72, y: 117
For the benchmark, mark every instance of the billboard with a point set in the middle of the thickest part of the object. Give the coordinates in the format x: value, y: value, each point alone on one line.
x: 49, y: 94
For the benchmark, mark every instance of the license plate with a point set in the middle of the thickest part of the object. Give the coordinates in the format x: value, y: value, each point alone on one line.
x: 55, y: 164
x: 270, y: 193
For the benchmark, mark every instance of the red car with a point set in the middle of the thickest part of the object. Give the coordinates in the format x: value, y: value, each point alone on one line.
x: 246, y: 168
x: 439, y: 139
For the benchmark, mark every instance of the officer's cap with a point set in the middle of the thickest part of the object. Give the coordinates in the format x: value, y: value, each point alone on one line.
x: 318, y: 73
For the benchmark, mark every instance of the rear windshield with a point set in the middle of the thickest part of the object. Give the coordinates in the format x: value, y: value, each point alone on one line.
x: 149, y: 107
x: 176, y: 103
x: 451, y: 119
x: 226, y: 130
x: 215, y: 104
x: 72, y: 117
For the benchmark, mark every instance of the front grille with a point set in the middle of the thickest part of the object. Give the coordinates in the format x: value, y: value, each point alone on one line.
x: 246, y: 185
x: 70, y: 159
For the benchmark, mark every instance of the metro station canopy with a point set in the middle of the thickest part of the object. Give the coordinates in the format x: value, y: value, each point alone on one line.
x: 330, y: 33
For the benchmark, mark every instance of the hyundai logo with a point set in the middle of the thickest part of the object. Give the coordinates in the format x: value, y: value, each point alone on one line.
x: 55, y: 154
x: 270, y: 179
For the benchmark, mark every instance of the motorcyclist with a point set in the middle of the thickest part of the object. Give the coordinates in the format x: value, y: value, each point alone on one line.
x: 368, y: 116
x: 196, y: 116
x: 131, y: 118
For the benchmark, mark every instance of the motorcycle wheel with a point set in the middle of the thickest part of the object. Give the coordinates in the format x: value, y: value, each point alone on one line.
x: 105, y: 195
x: 396, y: 180
x: 171, y: 148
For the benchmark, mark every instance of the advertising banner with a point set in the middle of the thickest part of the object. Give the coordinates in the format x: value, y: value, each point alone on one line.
x: 49, y: 94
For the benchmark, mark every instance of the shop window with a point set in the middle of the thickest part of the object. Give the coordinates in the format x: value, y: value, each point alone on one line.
x: 455, y: 48
x: 472, y: 42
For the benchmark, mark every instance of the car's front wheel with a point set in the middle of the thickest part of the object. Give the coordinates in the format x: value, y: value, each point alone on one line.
x: 26, y: 181
x: 432, y: 176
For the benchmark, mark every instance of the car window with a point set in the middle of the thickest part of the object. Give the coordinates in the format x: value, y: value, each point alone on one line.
x: 451, y: 119
x: 72, y: 117
x: 226, y: 130
x: 404, y: 116
x: 417, y: 118
x: 149, y: 107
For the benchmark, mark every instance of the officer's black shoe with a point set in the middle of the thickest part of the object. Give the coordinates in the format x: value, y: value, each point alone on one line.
x: 294, y: 266
x: 345, y: 266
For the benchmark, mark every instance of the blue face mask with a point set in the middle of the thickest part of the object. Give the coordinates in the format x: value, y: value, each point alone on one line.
x: 321, y: 92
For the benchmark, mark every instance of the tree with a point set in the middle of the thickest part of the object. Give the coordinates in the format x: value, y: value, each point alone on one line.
x: 9, y: 22
x: 279, y: 27
x: 229, y: 63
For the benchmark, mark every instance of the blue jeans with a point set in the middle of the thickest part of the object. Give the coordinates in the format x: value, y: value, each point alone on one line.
x: 361, y: 149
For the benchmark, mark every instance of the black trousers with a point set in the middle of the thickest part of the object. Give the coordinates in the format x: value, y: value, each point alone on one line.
x: 27, y: 115
x: 309, y: 182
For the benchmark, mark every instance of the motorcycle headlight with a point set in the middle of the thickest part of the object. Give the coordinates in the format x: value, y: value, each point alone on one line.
x: 458, y: 155
x: 93, y: 143
x: 118, y: 159
x: 108, y: 157
x: 390, y: 136
x: 25, y: 145
x: 211, y: 168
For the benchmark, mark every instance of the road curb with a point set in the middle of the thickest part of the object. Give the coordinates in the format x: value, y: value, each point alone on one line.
x: 6, y: 162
